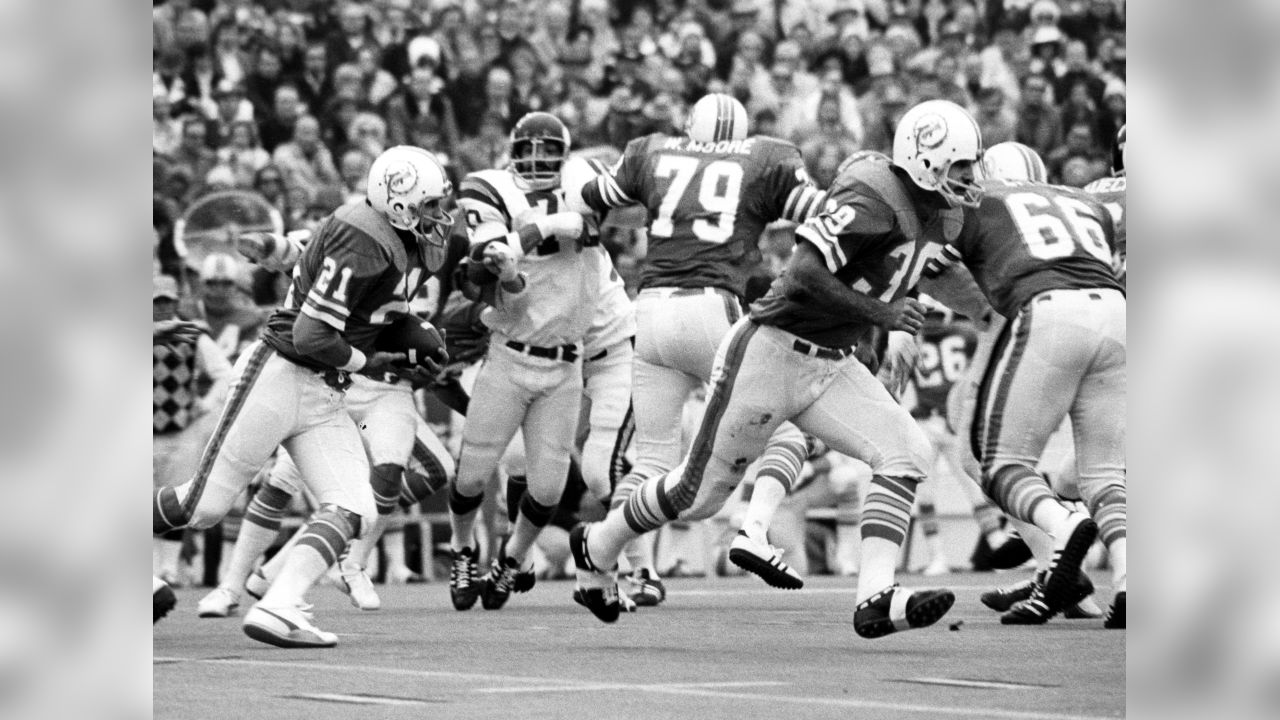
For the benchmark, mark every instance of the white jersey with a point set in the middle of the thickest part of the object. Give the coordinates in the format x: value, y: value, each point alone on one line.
x: 559, y: 301
x: 615, y: 318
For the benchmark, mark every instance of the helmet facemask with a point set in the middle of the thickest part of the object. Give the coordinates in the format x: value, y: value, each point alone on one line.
x: 956, y: 191
x: 537, y: 161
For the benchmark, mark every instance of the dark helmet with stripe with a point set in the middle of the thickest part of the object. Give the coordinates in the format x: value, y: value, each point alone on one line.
x: 539, y: 147
x: 716, y: 117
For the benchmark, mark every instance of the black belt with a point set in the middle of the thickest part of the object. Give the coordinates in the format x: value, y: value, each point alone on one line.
x: 807, y: 348
x: 567, y: 353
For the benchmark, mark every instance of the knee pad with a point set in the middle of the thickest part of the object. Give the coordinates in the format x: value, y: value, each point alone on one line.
x: 537, y: 513
x: 385, y: 480
x: 460, y: 504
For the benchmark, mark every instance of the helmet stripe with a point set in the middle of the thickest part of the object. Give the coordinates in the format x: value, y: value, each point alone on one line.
x: 721, y: 106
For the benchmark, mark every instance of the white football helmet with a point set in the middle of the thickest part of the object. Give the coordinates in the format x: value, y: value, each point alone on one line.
x: 410, y: 188
x: 716, y: 117
x: 1011, y: 161
x: 933, y: 136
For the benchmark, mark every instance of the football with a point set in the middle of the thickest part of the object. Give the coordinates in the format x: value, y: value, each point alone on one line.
x: 414, y: 336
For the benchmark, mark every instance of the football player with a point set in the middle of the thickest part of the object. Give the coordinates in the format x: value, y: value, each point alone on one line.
x: 288, y: 386
x: 709, y: 195
x: 793, y: 359
x: 408, y: 462
x: 538, y: 267
x: 1047, y: 251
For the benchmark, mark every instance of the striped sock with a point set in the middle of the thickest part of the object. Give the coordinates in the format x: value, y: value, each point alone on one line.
x: 886, y: 512
x: 267, y: 507
x: 648, y: 508
x: 626, y: 486
x: 1020, y: 491
x: 1110, y: 509
x: 782, y: 461
x: 318, y: 547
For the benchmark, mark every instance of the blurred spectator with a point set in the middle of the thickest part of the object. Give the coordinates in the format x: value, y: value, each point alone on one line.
x: 841, y: 107
x: 335, y: 123
x: 368, y: 133
x: 998, y: 63
x: 277, y: 127
x: 952, y: 84
x: 499, y: 100
x: 315, y: 84
x: 1091, y: 19
x: 166, y: 130
x: 486, y: 149
x: 167, y: 79
x: 1080, y: 107
x: 882, y: 115
x: 846, y: 17
x: 829, y: 139
x: 418, y: 114
x: 394, y: 35
x: 468, y: 105
x: 1114, y: 107
x: 582, y: 112
x: 625, y: 118
x: 351, y: 34
x: 1079, y: 171
x: 269, y: 182
x: 692, y: 54
x: 267, y: 75
x: 177, y: 26
x: 376, y: 83
x: 229, y: 59
x: 1046, y: 53
x: 661, y: 115
x: 1079, y: 144
x: 743, y: 16
x: 527, y: 77
x: 789, y: 84
x: 200, y: 84
x: 193, y: 151
x: 291, y: 44
x: 1039, y: 122
x: 304, y: 161
x: 995, y: 118
x: 243, y: 154
x: 1076, y: 69
x: 354, y: 173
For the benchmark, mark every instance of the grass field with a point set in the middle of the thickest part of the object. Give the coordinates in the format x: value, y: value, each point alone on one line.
x: 718, y: 648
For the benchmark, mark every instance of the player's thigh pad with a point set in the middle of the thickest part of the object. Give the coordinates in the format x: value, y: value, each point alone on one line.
x: 499, y: 401
x: 753, y: 392
x: 855, y: 415
x: 549, y: 429
x: 387, y: 418
x: 1032, y: 383
x: 333, y: 464
x: 265, y: 405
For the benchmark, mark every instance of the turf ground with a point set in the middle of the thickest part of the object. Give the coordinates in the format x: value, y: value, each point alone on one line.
x: 718, y: 648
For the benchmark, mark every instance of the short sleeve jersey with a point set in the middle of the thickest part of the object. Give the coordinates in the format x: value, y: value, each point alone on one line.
x: 355, y: 271
x: 1027, y: 238
x: 862, y: 237
x: 946, y: 346
x: 707, y: 203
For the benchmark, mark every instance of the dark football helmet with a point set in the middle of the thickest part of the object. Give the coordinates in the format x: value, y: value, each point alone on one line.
x: 539, y: 147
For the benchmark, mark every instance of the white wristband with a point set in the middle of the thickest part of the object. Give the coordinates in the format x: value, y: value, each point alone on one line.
x: 355, y: 362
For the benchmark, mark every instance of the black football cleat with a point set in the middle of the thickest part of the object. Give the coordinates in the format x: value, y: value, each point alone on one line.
x: 1116, y: 616
x: 162, y: 600
x: 885, y: 612
x: 464, y: 587
x: 1002, y: 598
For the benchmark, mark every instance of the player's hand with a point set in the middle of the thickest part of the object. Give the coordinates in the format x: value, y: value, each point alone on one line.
x: 500, y: 260
x: 901, y: 356
x: 381, y: 361
x: 905, y: 314
x: 567, y: 227
x: 272, y: 251
x: 175, y: 330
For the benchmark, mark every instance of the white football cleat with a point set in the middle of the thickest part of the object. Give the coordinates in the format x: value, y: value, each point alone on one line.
x: 359, y: 586
x: 286, y: 627
x: 757, y: 556
x: 222, y: 602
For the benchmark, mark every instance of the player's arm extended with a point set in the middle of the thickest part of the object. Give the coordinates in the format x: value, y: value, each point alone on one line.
x: 808, y: 280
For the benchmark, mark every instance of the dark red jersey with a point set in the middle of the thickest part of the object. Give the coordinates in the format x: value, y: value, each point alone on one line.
x: 355, y: 271
x: 1026, y: 238
x: 873, y: 238
x: 707, y: 202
